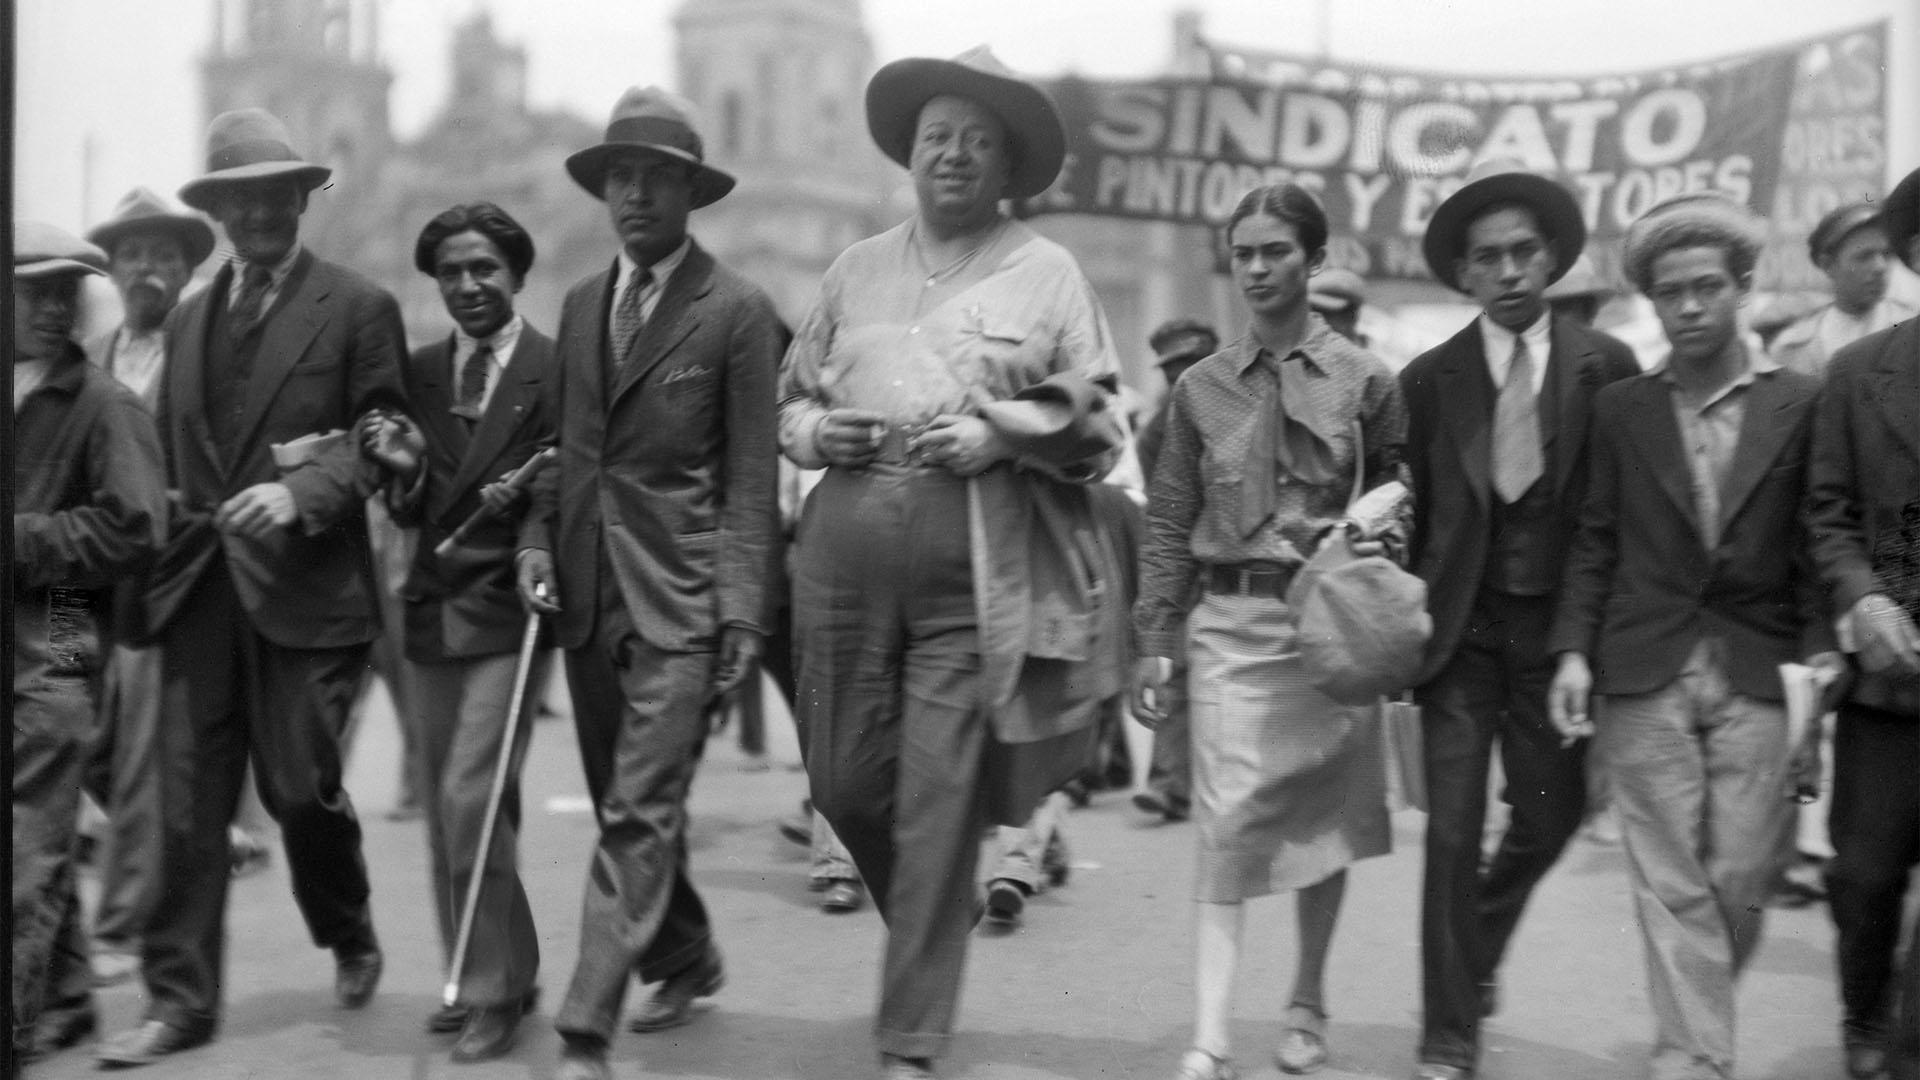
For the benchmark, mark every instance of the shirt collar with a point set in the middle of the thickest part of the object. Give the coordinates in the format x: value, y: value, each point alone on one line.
x: 662, y: 268
x: 1758, y: 364
x: 1311, y: 349
x: 276, y: 274
x: 503, y: 340
x: 1499, y: 339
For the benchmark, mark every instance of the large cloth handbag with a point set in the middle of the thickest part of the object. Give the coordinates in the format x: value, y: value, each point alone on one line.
x: 1363, y: 622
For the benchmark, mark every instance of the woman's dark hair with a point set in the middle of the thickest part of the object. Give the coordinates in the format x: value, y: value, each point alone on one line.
x: 1290, y: 203
x: 484, y: 218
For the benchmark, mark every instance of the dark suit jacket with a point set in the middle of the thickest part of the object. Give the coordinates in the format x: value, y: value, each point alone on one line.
x: 331, y: 348
x: 1641, y: 588
x: 1450, y: 399
x: 1863, y: 482
x: 670, y: 464
x: 465, y: 605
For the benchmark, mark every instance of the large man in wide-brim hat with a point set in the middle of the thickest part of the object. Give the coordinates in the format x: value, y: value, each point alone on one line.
x: 1496, y: 438
x: 89, y: 504
x: 262, y: 601
x: 650, y: 545
x: 954, y: 381
x: 1863, y: 502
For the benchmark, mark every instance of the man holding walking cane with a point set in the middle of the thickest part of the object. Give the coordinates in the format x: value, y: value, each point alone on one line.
x: 480, y: 399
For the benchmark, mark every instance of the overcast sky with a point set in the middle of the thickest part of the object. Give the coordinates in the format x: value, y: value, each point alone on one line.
x: 122, y: 74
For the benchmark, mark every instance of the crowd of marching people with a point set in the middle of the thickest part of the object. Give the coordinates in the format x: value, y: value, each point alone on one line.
x: 1684, y: 586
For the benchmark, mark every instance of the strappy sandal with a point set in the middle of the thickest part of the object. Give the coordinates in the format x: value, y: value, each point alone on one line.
x: 1302, y: 1050
x: 1198, y: 1064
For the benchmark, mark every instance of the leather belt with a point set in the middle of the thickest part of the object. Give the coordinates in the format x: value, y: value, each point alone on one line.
x: 893, y: 447
x: 1250, y: 579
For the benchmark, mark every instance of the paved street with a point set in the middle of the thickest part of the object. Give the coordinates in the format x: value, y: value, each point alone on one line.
x: 1094, y: 986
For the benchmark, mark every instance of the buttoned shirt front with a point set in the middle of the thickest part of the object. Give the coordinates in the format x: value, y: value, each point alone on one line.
x: 1193, y: 498
x: 891, y: 335
x: 1710, y: 433
x: 662, y: 270
x: 502, y: 341
x: 1498, y: 344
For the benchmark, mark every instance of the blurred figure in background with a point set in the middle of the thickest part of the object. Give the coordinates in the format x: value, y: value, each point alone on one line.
x: 1850, y: 246
x: 1338, y: 294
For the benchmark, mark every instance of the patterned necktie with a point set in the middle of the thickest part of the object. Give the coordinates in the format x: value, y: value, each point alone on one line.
x: 473, y: 381
x: 1516, y: 429
x: 246, y: 309
x: 627, y: 319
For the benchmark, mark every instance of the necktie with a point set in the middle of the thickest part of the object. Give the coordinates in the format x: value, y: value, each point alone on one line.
x: 253, y: 289
x: 473, y: 381
x: 1516, y: 429
x: 627, y: 319
x: 1281, y: 438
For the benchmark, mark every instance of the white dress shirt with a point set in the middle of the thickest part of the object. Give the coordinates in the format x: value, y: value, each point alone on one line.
x: 503, y: 342
x: 1498, y: 342
x: 649, y: 293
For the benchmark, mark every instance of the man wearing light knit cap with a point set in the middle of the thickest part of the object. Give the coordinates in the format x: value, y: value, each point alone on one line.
x: 1688, y: 585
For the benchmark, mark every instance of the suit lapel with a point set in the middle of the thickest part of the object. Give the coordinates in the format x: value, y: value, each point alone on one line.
x: 1762, y: 432
x: 290, y: 327
x: 506, y: 410
x: 584, y: 343
x: 674, y: 317
x: 186, y: 372
x: 1469, y: 411
x: 447, y: 435
x: 1896, y: 382
x: 1656, y: 432
x: 1572, y: 364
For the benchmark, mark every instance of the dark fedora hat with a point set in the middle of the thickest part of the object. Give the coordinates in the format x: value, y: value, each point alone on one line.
x: 900, y: 90
x: 1490, y: 183
x: 41, y: 250
x: 1902, y: 218
x: 143, y: 211
x: 649, y: 118
x: 249, y: 145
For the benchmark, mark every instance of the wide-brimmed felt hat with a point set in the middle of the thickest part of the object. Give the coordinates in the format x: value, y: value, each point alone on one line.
x: 1901, y: 217
x: 1838, y: 224
x: 649, y: 118
x: 41, y: 250
x: 143, y: 211
x: 1502, y: 180
x: 248, y: 145
x: 898, y: 92
x: 1336, y: 289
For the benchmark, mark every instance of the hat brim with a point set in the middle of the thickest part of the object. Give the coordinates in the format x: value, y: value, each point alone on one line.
x: 194, y: 234
x: 200, y: 193
x: 54, y: 267
x: 900, y: 90
x: 1446, y: 238
x: 589, y: 169
x: 1901, y: 218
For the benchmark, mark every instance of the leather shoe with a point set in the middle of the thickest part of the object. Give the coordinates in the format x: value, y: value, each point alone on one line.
x: 55, y: 1031
x: 488, y: 1033
x: 1005, y: 901
x: 579, y: 1061
x: 895, y: 1067
x: 1169, y: 808
x: 148, y: 1043
x: 842, y: 897
x: 672, y: 1004
x: 1430, y: 1070
x: 1866, y: 1057
x: 447, y: 1019
x: 1489, y: 998
x: 355, y: 975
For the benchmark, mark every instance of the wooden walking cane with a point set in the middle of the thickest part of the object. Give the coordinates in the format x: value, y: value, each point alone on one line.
x: 450, y: 994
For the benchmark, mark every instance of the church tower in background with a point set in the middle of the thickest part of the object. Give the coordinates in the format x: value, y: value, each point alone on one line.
x: 780, y: 87
x: 315, y: 64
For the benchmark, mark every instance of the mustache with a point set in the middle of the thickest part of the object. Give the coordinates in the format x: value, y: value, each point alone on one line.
x: 148, y: 282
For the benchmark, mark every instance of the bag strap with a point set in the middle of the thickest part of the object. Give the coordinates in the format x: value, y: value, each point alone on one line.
x: 1359, y: 463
